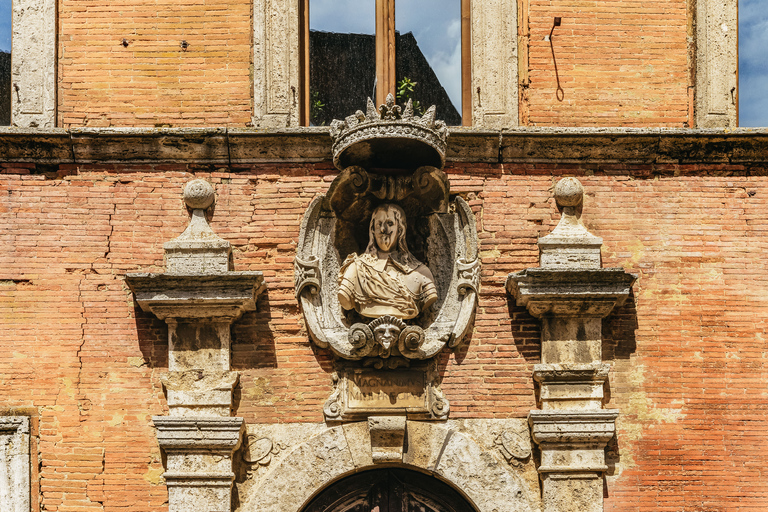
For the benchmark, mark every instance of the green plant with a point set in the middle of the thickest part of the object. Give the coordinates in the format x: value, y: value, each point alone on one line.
x: 405, y: 89
x: 316, y: 109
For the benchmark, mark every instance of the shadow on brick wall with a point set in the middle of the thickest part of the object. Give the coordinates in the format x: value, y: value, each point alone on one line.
x: 153, y: 338
x: 525, y: 331
x: 619, y: 331
x: 253, y: 338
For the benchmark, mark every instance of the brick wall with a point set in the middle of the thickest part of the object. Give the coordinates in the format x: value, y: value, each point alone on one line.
x: 153, y: 81
x: 619, y: 63
x: 688, y: 348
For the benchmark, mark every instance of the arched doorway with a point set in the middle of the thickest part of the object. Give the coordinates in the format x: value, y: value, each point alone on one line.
x: 389, y: 490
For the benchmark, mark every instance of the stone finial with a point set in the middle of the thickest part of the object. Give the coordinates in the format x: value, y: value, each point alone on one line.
x: 198, y: 194
x: 570, y: 245
x: 569, y: 192
x: 198, y: 249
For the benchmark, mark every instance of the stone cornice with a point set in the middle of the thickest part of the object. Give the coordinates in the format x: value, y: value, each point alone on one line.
x: 234, y: 146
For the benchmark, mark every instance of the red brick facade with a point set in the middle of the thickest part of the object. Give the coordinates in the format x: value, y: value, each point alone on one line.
x: 688, y: 348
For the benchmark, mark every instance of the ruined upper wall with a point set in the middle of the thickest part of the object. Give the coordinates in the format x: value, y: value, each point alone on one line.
x: 617, y: 63
x: 124, y: 63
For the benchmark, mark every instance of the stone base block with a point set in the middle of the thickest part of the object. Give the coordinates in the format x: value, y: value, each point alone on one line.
x: 572, y: 492
x: 195, y: 493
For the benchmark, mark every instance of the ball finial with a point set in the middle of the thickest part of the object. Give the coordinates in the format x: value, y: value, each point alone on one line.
x: 198, y: 194
x: 569, y: 192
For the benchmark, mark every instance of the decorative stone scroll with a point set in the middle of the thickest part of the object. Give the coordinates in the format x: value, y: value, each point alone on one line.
x: 387, y: 269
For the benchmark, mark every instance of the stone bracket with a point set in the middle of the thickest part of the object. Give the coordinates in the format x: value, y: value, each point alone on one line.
x: 387, y: 436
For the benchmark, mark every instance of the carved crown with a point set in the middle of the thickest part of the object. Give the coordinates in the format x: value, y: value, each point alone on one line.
x: 389, y: 138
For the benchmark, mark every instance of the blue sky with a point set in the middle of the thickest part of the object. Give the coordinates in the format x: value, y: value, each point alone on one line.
x: 5, y: 25
x: 753, y: 63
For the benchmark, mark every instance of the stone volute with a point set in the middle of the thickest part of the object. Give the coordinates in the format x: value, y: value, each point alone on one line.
x: 387, y: 269
x: 199, y: 297
x: 571, y: 293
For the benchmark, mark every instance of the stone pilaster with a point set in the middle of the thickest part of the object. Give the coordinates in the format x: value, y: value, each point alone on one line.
x: 199, y: 452
x: 199, y: 297
x: 571, y: 293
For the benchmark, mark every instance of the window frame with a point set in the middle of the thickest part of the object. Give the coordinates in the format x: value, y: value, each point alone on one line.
x: 33, y: 64
x: 385, y: 57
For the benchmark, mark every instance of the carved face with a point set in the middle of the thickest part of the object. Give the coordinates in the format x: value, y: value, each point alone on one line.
x: 386, y: 334
x: 385, y: 229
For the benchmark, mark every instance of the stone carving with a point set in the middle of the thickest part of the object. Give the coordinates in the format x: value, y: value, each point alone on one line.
x: 360, y: 393
x: 386, y: 279
x: 514, y: 445
x: 360, y: 138
x: 260, y: 450
x: 364, y: 290
x: 387, y: 269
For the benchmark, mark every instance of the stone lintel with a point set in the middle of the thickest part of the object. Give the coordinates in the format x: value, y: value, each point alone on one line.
x: 562, y: 292
x: 176, y: 434
x: 222, y: 297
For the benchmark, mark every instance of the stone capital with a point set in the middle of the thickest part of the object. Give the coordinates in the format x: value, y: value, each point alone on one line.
x: 570, y: 292
x: 220, y: 297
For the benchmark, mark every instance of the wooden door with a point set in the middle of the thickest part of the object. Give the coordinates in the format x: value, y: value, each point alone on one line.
x: 389, y: 490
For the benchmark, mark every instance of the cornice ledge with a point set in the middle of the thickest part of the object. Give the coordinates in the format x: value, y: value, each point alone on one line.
x: 635, y: 145
x: 226, y: 146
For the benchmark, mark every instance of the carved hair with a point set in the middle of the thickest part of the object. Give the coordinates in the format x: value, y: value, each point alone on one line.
x: 405, y: 255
